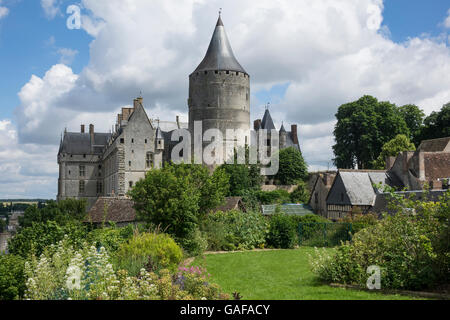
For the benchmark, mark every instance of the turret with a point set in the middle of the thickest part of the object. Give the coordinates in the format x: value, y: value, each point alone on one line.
x: 283, y: 137
x: 219, y: 89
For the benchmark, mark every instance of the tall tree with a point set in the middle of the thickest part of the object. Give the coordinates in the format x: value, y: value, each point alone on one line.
x: 293, y: 167
x: 392, y: 149
x: 362, y: 128
x: 437, y: 124
x: 414, y: 117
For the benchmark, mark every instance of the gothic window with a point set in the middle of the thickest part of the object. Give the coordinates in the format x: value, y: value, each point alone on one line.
x: 82, y: 171
x: 131, y: 184
x: 81, y: 187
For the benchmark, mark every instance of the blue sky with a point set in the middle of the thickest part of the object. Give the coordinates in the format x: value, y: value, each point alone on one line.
x: 304, y: 57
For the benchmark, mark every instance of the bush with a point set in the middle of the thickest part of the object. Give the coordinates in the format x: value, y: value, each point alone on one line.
x: 282, y: 232
x: 273, y: 197
x: 64, y: 273
x: 411, y: 248
x: 300, y: 194
x: 235, y: 230
x: 34, y: 239
x: 150, y: 251
x: 195, y: 244
x: 360, y: 221
x: 12, y: 277
x: 111, y: 238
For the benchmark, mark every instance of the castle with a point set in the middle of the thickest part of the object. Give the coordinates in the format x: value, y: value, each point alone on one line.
x: 93, y: 164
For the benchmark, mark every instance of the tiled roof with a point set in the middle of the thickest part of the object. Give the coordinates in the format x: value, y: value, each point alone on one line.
x: 108, y: 209
x: 231, y: 203
x: 435, y: 145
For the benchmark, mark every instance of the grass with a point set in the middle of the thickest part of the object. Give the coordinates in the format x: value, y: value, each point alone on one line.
x: 277, y: 275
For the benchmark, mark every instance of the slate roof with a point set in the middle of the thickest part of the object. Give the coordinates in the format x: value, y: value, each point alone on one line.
x: 80, y: 143
x: 267, y: 122
x: 220, y: 55
x: 118, y: 210
x: 358, y: 185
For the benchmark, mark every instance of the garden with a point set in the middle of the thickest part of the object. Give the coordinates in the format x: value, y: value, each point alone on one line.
x: 55, y: 255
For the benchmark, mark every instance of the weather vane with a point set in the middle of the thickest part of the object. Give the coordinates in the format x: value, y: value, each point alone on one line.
x: 220, y: 11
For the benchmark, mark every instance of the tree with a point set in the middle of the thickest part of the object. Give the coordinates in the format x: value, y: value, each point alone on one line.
x: 392, y: 149
x: 437, y: 124
x: 62, y: 212
x: 169, y: 199
x: 413, y: 117
x: 12, y: 277
x: 292, y: 167
x: 362, y: 128
x: 300, y: 194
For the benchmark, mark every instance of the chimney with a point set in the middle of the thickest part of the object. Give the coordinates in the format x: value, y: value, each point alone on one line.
x: 257, y: 124
x: 178, y: 122
x: 329, y: 178
x: 91, y: 132
x: 82, y: 128
x: 390, y: 162
x: 137, y: 101
x: 294, y: 133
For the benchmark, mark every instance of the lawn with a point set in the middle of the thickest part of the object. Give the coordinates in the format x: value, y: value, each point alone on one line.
x: 277, y: 275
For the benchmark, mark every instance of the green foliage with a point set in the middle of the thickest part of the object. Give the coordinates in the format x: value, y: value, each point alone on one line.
x: 362, y: 128
x: 235, y: 230
x: 112, y: 238
x: 273, y: 197
x: 292, y: 167
x: 242, y: 177
x: 3, y: 225
x: 300, y: 194
x: 62, y: 212
x: 177, y: 197
x: 167, y: 199
x: 360, y: 221
x: 411, y: 248
x: 437, y: 124
x: 12, y: 277
x: 150, y: 251
x: 413, y: 117
x: 282, y: 232
x: 65, y: 273
x: 34, y: 239
x: 392, y: 148
x: 195, y: 244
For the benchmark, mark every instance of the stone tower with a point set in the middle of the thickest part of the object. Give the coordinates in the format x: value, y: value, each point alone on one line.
x: 219, y: 89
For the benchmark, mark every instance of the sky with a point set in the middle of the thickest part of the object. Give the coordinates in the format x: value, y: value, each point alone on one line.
x: 305, y: 58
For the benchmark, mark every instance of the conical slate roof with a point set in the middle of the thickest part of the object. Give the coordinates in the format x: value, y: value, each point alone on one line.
x: 220, y: 55
x: 282, y: 129
x: 267, y: 122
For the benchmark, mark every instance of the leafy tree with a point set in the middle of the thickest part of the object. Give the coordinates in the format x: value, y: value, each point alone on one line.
x: 241, y: 178
x: 12, y: 277
x: 362, y: 128
x: 392, y: 149
x: 437, y: 124
x: 292, y: 167
x: 35, y: 238
x: 169, y: 199
x: 413, y: 117
x: 300, y: 194
x: 61, y: 212
x: 2, y: 225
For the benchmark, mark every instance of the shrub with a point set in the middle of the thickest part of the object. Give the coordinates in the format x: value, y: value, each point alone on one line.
x: 273, y: 197
x: 150, y: 251
x: 360, y: 221
x: 411, y: 248
x: 111, y: 238
x: 12, y: 277
x: 282, y: 232
x: 300, y: 194
x: 194, y: 244
x: 64, y: 273
x: 235, y: 230
x: 34, y: 239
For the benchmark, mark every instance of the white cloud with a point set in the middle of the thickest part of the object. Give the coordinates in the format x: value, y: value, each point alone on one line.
x: 4, y: 11
x: 51, y: 8
x: 329, y: 52
x: 67, y: 55
x: 447, y: 20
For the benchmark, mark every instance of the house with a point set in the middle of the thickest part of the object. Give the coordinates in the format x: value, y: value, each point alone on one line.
x: 320, y: 184
x: 118, y: 210
x: 356, y: 190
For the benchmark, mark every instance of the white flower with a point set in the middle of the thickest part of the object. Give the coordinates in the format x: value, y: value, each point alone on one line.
x: 73, y: 281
